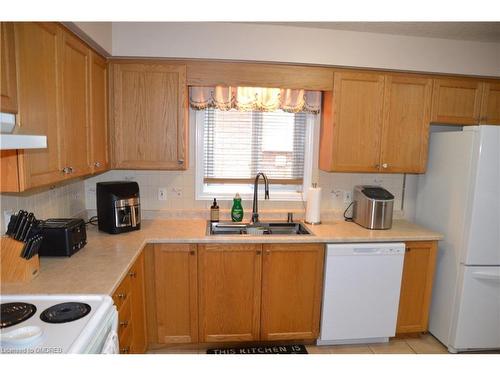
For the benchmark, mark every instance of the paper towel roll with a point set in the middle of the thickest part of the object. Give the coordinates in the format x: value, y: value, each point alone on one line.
x: 313, y: 205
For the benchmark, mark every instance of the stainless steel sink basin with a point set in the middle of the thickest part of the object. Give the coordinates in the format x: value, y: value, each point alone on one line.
x: 264, y: 228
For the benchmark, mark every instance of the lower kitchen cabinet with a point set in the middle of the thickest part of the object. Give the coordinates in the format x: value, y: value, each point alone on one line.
x: 129, y: 300
x: 292, y: 280
x: 416, y: 286
x: 172, y: 293
x: 229, y: 292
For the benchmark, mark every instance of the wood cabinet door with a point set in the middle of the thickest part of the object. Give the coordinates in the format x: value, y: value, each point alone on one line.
x: 136, y: 274
x: 352, y: 123
x: 38, y: 47
x: 74, y: 72
x: 490, y: 107
x: 175, y: 294
x: 405, y: 130
x: 456, y: 101
x: 229, y: 287
x: 149, y: 116
x: 416, y: 286
x: 292, y: 283
x: 8, y: 79
x: 9, y: 181
x: 98, y: 113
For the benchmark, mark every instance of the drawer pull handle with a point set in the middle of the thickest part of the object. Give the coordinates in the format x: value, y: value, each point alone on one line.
x: 124, y: 324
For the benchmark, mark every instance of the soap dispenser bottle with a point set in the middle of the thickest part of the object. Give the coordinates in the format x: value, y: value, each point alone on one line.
x: 237, y: 210
x: 214, y: 212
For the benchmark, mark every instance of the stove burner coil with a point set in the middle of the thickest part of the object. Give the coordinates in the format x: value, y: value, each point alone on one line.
x: 13, y: 313
x: 65, y: 312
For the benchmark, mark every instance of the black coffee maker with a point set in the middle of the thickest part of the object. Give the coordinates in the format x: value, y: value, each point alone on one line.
x: 118, y: 206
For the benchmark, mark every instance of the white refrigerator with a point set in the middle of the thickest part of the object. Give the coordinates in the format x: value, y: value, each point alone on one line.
x: 459, y: 196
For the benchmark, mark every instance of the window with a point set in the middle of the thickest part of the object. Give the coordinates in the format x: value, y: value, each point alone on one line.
x: 233, y: 146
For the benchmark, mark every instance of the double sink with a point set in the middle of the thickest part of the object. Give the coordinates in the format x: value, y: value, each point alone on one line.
x: 261, y: 228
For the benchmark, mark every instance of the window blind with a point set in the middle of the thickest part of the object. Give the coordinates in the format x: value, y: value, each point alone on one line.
x: 238, y: 145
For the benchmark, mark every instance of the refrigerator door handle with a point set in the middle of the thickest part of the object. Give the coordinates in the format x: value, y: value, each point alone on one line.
x: 487, y: 276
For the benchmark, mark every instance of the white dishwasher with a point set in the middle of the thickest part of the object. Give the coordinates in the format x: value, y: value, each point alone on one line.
x: 361, y: 292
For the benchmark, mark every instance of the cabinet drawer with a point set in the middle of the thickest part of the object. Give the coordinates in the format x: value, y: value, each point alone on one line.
x: 122, y: 293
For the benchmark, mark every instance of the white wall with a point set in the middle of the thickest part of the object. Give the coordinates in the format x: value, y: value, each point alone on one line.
x: 99, y: 32
x: 245, y: 41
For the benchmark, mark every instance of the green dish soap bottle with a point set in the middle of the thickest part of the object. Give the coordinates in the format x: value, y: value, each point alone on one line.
x: 237, y: 210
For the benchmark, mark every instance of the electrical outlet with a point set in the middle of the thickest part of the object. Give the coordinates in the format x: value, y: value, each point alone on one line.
x: 347, y: 196
x: 162, y: 194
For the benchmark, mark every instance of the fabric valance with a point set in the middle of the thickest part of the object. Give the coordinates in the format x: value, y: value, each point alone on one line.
x: 255, y: 99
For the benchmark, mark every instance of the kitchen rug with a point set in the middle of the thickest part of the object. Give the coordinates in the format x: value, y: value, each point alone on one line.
x: 271, y: 349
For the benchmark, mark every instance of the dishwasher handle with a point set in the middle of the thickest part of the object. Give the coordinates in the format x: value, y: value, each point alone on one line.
x: 334, y: 250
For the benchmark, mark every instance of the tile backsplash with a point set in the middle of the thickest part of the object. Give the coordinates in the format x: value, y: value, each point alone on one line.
x: 181, y: 200
x: 62, y: 201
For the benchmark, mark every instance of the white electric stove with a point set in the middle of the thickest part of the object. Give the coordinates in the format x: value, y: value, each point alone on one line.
x: 47, y: 324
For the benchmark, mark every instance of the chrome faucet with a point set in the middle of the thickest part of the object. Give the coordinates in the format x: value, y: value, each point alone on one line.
x: 255, y: 212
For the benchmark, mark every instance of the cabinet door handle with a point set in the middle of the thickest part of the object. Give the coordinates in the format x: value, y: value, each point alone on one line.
x: 122, y: 295
x: 192, y: 252
x: 377, y: 166
x: 124, y: 324
x: 268, y: 252
x: 97, y: 164
x: 385, y: 165
x: 66, y: 170
x: 180, y: 161
x: 132, y: 274
x: 258, y: 252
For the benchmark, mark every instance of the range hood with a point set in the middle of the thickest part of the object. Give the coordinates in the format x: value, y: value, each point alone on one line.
x: 10, y: 141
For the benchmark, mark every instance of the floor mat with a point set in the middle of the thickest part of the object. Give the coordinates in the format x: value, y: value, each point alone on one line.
x: 267, y: 349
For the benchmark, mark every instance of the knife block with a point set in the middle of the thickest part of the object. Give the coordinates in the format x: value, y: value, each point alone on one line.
x: 14, y: 268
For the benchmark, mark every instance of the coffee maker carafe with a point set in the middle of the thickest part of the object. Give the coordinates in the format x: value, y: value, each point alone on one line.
x: 118, y: 206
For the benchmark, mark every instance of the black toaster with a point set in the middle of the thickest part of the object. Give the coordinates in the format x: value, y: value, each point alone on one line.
x: 62, y: 237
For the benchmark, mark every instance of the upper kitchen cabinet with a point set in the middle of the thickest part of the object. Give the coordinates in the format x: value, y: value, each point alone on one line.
x: 8, y: 80
x: 405, y: 130
x: 99, y: 160
x: 490, y: 107
x: 38, y: 49
x: 149, y: 116
x: 375, y: 123
x: 74, y: 71
x: 62, y: 93
x: 456, y: 101
x: 351, y: 123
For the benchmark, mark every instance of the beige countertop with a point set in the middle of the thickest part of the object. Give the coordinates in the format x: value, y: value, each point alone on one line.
x: 99, y: 267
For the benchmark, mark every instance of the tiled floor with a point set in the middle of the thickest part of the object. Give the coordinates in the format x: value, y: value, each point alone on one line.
x: 425, y: 344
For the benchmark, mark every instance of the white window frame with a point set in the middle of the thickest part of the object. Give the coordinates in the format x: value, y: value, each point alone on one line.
x: 197, y: 123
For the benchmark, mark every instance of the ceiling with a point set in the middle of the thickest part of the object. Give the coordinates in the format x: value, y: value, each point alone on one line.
x: 474, y: 31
